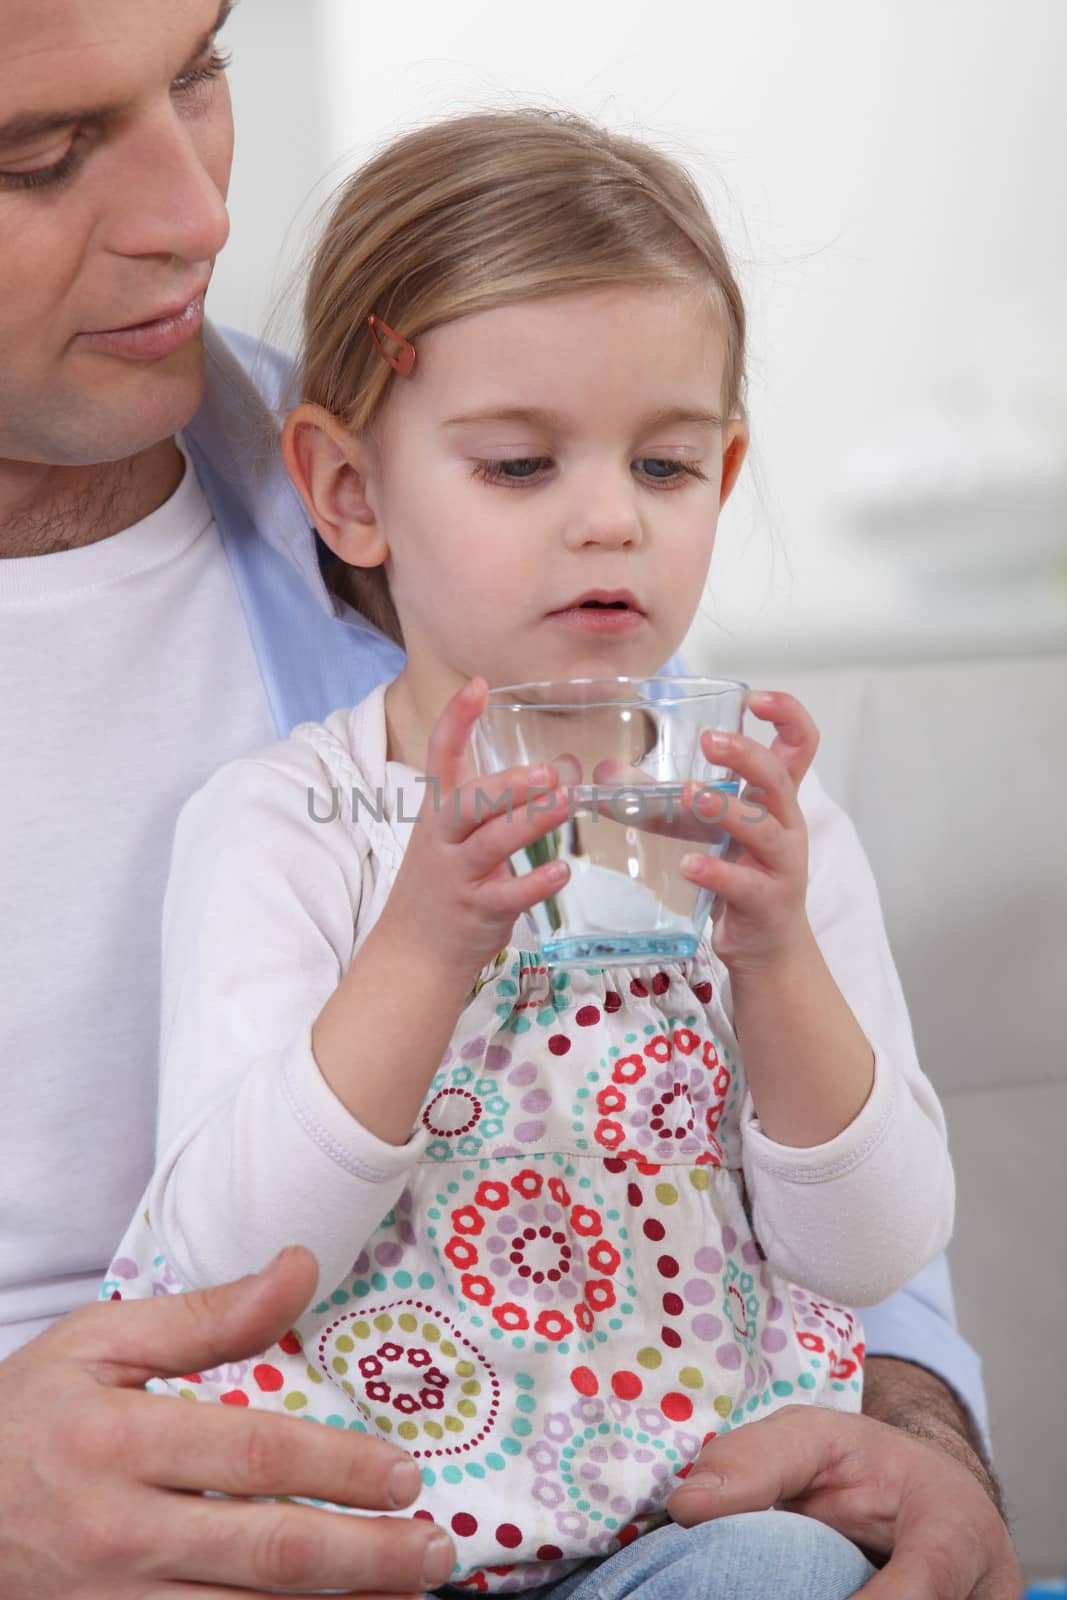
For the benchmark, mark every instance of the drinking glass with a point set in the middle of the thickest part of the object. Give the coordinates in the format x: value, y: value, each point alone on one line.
x: 625, y: 749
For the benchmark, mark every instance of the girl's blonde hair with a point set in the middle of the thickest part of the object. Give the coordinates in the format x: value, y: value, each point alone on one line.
x: 482, y: 211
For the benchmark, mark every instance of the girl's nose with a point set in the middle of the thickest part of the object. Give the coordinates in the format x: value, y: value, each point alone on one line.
x: 610, y: 521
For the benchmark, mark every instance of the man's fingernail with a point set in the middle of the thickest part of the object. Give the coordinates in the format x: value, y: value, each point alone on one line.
x: 703, y: 1480
x: 403, y: 1483
x: 438, y: 1559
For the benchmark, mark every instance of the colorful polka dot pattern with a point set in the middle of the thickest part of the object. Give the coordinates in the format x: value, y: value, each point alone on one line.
x: 568, y: 1298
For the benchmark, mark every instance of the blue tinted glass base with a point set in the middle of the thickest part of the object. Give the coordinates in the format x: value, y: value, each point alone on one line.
x: 607, y: 950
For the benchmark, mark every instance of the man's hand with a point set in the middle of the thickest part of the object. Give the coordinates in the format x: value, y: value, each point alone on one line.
x: 95, y: 1477
x: 883, y: 1488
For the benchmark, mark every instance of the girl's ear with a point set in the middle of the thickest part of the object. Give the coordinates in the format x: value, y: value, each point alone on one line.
x: 734, y: 451
x: 329, y: 467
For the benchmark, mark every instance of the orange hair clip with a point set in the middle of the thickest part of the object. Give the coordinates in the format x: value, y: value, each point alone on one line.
x: 404, y: 359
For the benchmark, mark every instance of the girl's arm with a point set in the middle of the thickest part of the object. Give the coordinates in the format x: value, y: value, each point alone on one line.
x: 257, y: 1151
x: 293, y: 1070
x: 845, y: 1153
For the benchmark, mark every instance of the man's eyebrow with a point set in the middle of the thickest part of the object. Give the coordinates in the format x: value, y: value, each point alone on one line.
x: 665, y: 417
x: 35, y: 124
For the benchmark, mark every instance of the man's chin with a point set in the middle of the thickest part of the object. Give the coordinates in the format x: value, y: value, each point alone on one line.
x: 118, y: 410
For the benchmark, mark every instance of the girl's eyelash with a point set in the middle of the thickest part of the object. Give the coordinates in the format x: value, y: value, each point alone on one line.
x: 492, y: 471
x: 43, y: 176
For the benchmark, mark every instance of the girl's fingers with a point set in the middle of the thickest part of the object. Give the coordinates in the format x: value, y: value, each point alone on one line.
x: 496, y: 840
x: 500, y: 794
x: 509, y: 895
x: 797, y: 735
x: 447, y: 753
x: 745, y: 820
x: 747, y: 891
x: 763, y: 772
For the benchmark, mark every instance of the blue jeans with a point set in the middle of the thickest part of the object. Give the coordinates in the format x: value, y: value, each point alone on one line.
x: 760, y: 1555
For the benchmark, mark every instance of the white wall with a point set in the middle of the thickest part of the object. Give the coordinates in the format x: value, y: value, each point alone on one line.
x: 889, y: 174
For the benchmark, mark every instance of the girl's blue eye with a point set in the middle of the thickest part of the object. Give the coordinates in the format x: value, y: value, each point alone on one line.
x: 524, y: 469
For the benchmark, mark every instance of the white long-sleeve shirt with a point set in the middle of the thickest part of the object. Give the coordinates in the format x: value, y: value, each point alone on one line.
x: 264, y: 912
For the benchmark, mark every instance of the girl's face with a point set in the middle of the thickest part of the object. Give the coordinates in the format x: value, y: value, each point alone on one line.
x: 541, y: 451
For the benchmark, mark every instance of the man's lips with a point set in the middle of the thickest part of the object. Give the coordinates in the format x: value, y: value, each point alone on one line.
x: 155, y: 337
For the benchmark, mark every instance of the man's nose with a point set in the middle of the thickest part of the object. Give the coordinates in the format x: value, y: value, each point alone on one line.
x: 170, y: 202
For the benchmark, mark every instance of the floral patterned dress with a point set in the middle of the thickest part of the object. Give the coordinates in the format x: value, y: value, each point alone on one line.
x: 568, y: 1298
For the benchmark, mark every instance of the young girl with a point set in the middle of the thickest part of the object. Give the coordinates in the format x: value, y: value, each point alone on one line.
x: 523, y: 376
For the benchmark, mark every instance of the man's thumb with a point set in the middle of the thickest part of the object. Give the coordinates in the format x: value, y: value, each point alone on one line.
x: 134, y: 1340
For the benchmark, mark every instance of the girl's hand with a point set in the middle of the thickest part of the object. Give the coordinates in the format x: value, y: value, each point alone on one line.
x: 760, y: 884
x: 456, y: 895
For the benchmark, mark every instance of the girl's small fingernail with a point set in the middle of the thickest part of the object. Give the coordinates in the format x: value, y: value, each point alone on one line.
x: 724, y: 741
x: 692, y: 862
x: 761, y: 697
x: 539, y: 774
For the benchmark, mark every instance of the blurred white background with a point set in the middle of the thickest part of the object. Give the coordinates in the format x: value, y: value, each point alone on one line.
x: 888, y: 178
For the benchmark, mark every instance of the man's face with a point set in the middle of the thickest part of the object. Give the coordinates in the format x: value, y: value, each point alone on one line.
x: 116, y: 139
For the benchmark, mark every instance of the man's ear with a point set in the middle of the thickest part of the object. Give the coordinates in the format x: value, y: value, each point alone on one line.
x: 734, y: 451
x: 329, y: 467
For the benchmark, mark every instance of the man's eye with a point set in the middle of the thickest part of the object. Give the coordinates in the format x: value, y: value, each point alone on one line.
x: 206, y: 72
x: 52, y: 172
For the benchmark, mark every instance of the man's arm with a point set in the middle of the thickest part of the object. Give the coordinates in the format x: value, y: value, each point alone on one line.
x: 910, y: 1397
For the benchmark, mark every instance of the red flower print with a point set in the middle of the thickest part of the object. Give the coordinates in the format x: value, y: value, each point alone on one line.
x: 528, y: 1183
x: 628, y: 1069
x: 584, y: 1318
x: 609, y: 1134
x: 553, y: 1325
x: 810, y: 1341
x: 378, y: 1391
x: 461, y: 1253
x: 431, y: 1399
x: 369, y: 1366
x: 609, y: 1100
x: 405, y: 1402
x: 604, y: 1257
x: 600, y: 1294
x: 418, y: 1358
x: 586, y: 1221
x: 721, y: 1081
x: 686, y: 1040
x: 465, y: 1219
x: 480, y: 1290
x: 559, y: 1191
x: 436, y: 1378
x: 390, y: 1351
x: 714, y: 1117
x: 511, y: 1318
x: 659, y: 1048
x: 841, y: 1367
x: 494, y: 1196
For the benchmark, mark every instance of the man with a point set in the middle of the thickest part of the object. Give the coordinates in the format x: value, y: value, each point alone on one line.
x: 159, y: 616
